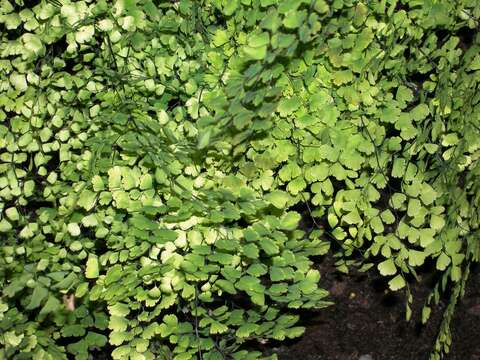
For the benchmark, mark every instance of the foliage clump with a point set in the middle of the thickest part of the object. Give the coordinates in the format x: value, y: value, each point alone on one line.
x: 156, y: 155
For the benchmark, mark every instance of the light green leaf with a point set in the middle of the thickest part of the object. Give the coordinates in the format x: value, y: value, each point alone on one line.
x: 420, y: 112
x: 426, y: 237
x: 387, y: 267
x: 278, y: 198
x: 143, y: 223
x: 33, y: 43
x: 397, y: 283
x: 269, y: 247
x: 352, y: 217
x: 414, y: 207
x: 97, y: 183
x: 443, y: 261
x: 258, y: 40
x: 387, y: 217
x: 92, y: 269
x: 12, y: 214
x: 84, y: 34
x: 416, y: 258
x: 73, y: 229
x: 397, y: 200
x: 437, y: 222
x: 288, y: 106
x: 204, y: 139
x: 119, y: 309
x: 230, y: 7
x: 450, y: 139
x: 19, y: 82
x: 296, y: 185
x: 5, y: 226
x: 255, y: 53
x: 87, y: 199
x: 290, y: 220
x: 226, y: 286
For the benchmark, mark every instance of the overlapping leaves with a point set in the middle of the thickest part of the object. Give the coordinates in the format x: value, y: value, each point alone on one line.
x: 152, y: 153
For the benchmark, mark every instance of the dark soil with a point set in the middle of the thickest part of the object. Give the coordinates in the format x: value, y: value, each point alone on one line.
x: 368, y: 322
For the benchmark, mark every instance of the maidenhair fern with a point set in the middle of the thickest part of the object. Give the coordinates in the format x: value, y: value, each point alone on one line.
x: 155, y: 154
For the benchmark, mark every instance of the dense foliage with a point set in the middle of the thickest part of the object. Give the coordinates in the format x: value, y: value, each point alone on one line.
x: 156, y: 158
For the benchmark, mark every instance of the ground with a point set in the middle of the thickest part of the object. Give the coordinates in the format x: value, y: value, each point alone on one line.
x: 368, y: 322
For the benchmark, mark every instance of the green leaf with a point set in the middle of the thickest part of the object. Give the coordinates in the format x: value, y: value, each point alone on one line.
x: 420, y: 112
x: 290, y: 220
x: 84, y: 34
x: 38, y: 295
x: 259, y: 39
x: 294, y: 19
x: 251, y: 251
x: 377, y: 225
x: 246, y: 330
x: 164, y: 235
x: 295, y: 332
x: 217, y: 327
x: 288, y: 106
x: 397, y: 200
x: 119, y: 309
x: 73, y: 229
x: 257, y: 270
x: 33, y: 43
x: 289, y: 5
x: 92, y: 268
x: 414, y: 207
x: 278, y: 198
x: 258, y: 298
x: 87, y: 199
x: 443, y: 261
x: 5, y: 226
x: 90, y: 220
x: 76, y: 246
x: 332, y: 220
x: 52, y: 305
x: 12, y: 214
x: 255, y: 53
x: 97, y: 183
x: 397, y: 283
x: 426, y: 237
x: 296, y: 185
x: 277, y: 274
x: 387, y: 217
x: 404, y: 94
x: 426, y: 310
x: 142, y: 222
x: 19, y: 82
x: 66, y: 282
x: 117, y: 323
x: 269, y: 247
x: 82, y: 289
x: 230, y: 7
x: 416, y: 258
x: 437, y: 222
x: 387, y: 267
x: 352, y: 217
x: 265, y: 3
x: 204, y: 139
x: 289, y: 171
x: 73, y: 330
x: 226, y: 286
x: 399, y: 166
x: 428, y: 194
x: 475, y: 63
